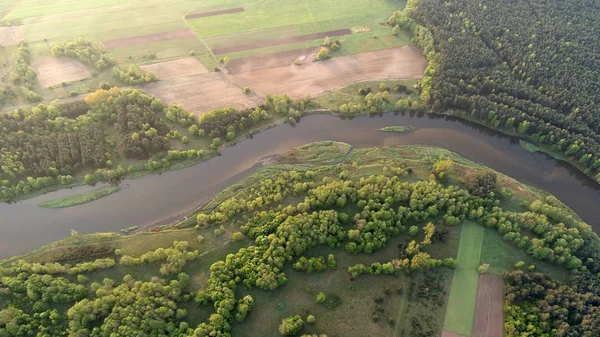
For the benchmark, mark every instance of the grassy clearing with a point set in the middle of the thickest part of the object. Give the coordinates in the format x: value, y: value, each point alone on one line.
x: 461, y: 304
x: 320, y: 153
x: 502, y: 256
x: 397, y: 129
x: 80, y: 198
x: 529, y: 147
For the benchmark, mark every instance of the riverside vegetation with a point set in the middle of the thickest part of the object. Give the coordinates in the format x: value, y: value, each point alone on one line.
x: 351, y: 204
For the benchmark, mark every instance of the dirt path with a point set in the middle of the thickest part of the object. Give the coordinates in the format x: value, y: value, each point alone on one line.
x: 281, y: 41
x: 214, y: 13
x: 489, y: 314
x: 143, y: 39
x: 313, y: 78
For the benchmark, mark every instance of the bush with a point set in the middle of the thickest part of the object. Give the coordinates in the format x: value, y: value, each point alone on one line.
x: 247, y: 90
x: 200, y: 238
x: 483, y: 269
x: 311, y: 319
x: 335, y: 47
x: 413, y: 230
x: 192, y: 53
x: 291, y: 326
x: 321, y: 298
x: 323, y: 54
x: 237, y: 236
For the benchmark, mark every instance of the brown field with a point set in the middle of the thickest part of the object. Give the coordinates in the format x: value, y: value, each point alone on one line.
x: 3, y: 14
x: 446, y: 333
x: 52, y: 71
x: 275, y: 60
x: 277, y: 42
x: 201, y: 93
x: 10, y: 36
x: 313, y: 78
x: 489, y: 317
x: 213, y: 13
x: 171, y: 69
x: 143, y: 39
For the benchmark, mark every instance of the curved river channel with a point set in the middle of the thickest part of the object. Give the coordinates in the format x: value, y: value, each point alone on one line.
x: 158, y: 199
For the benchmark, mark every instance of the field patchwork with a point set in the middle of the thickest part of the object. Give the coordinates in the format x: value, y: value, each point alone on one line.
x: 313, y: 78
x: 53, y: 71
x: 463, y: 292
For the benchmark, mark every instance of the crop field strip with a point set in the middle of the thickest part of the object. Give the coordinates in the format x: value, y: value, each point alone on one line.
x: 143, y: 39
x: 460, y: 312
x: 489, y: 313
x: 277, y: 42
x: 214, y: 13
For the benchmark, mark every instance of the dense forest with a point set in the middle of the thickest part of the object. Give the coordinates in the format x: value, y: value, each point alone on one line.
x: 358, y: 215
x: 526, y: 67
x: 53, y: 144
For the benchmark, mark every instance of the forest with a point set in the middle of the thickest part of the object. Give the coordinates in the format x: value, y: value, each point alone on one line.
x: 528, y: 68
x: 60, y: 143
x: 287, y: 213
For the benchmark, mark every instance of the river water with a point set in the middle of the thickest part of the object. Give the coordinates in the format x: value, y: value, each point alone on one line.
x: 156, y: 199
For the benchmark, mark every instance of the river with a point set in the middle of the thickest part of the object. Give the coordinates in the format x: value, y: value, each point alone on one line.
x: 157, y: 198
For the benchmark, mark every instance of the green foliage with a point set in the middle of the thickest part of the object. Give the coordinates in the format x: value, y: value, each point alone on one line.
x: 173, y: 259
x: 134, y: 75
x: 323, y: 54
x: 86, y: 51
x: 321, y: 297
x: 311, y: 319
x: 291, y: 326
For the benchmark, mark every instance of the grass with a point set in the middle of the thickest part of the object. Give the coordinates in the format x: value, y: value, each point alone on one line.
x: 502, y: 256
x: 397, y: 129
x: 80, y: 198
x: 271, y: 19
x: 529, y: 146
x: 460, y: 314
x: 319, y: 153
x: 33, y: 8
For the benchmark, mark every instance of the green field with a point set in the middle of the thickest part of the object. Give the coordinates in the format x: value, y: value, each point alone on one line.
x: 267, y: 20
x: 463, y: 293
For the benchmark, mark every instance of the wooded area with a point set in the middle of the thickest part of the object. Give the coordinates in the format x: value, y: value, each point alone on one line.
x: 529, y: 68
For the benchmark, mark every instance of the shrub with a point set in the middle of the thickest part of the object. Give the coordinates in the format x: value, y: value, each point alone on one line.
x: 335, y: 47
x: 311, y: 319
x: 247, y: 90
x: 237, y: 236
x: 321, y: 297
x: 200, y: 238
x: 323, y: 54
x: 483, y: 268
x: 291, y: 326
x: 192, y: 53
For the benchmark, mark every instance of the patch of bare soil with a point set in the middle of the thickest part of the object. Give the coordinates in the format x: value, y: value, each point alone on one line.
x: 214, y: 13
x: 52, y: 71
x: 489, y: 315
x: 143, y: 39
x: 171, y: 69
x: 275, y: 60
x: 277, y: 42
x: 3, y: 14
x: 201, y: 93
x: 10, y: 36
x: 446, y: 333
x: 314, y: 78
